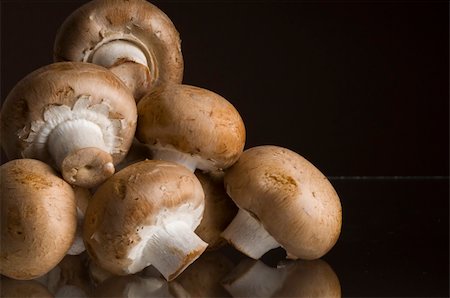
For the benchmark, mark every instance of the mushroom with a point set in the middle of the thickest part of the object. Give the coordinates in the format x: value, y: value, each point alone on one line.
x: 219, y: 209
x: 78, y: 117
x: 283, y: 201
x: 22, y: 288
x: 191, y: 126
x: 203, y: 277
x: 145, y: 215
x: 38, y: 218
x: 292, y: 279
x: 133, y: 38
x: 82, y: 197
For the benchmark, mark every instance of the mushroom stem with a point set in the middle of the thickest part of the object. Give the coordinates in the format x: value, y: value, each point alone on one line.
x: 171, y: 249
x: 127, y: 61
x: 72, y: 135
x: 254, y: 279
x: 248, y: 235
x: 78, y: 148
x: 116, y: 51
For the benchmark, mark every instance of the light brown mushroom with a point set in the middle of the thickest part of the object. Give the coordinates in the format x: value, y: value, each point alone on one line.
x: 145, y: 215
x: 133, y: 38
x: 283, y: 201
x: 78, y: 117
x: 191, y: 126
x: 290, y: 279
x: 219, y: 209
x: 38, y: 218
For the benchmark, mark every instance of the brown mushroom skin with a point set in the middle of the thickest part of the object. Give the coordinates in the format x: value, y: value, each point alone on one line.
x: 195, y: 121
x: 38, y: 219
x: 219, y: 210
x: 65, y: 84
x: 295, y: 202
x: 137, y: 21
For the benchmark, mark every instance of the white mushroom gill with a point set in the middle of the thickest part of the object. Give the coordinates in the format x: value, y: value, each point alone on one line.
x: 248, y: 235
x: 114, y: 51
x: 190, y: 161
x: 170, y: 245
x: 66, y: 129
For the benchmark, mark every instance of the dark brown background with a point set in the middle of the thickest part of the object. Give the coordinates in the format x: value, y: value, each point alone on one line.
x: 358, y: 88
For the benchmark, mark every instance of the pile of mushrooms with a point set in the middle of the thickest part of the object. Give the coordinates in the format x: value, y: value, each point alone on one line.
x: 110, y: 153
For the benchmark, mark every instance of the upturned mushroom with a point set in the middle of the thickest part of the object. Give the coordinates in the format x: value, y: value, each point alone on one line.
x: 38, y: 218
x: 283, y: 201
x: 219, y: 210
x: 145, y: 215
x: 78, y: 117
x: 133, y: 38
x: 191, y: 126
x: 290, y: 279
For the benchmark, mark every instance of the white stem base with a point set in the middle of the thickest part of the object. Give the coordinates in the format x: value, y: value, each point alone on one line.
x: 118, y: 50
x: 72, y: 135
x: 170, y: 249
x: 254, y: 280
x: 248, y: 235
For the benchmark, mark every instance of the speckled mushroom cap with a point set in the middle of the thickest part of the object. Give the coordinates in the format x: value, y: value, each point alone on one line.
x: 69, y: 85
x: 38, y: 218
x: 293, y: 200
x: 136, y: 22
x: 194, y: 121
x: 128, y: 208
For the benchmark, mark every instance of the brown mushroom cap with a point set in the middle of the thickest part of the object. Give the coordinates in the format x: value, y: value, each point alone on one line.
x: 46, y: 99
x: 137, y: 199
x: 38, y: 218
x: 292, y: 199
x: 142, y: 24
x: 219, y: 210
x: 193, y: 121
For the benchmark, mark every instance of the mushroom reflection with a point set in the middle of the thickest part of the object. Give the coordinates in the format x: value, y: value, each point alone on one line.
x: 69, y: 278
x: 136, y: 286
x: 290, y: 279
x: 22, y: 288
x: 203, y: 277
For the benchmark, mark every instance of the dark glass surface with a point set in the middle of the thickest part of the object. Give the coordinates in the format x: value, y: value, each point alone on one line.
x: 358, y: 88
